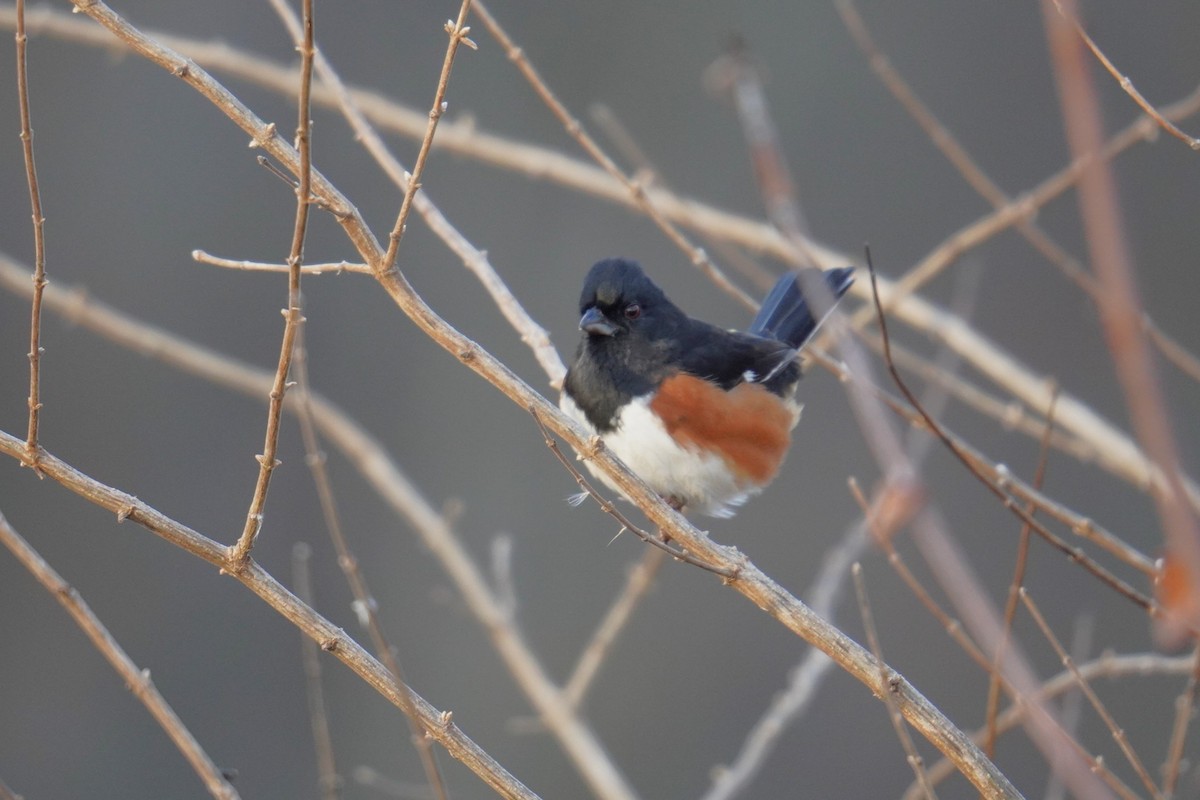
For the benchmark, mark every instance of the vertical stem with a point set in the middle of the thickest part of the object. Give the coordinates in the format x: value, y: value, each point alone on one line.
x: 39, y: 244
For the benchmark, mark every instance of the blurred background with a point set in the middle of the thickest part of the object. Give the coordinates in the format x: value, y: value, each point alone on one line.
x: 137, y: 170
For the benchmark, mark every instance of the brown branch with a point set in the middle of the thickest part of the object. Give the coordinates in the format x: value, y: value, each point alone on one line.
x: 1117, y: 732
x: 1124, y: 80
x: 1109, y: 666
x: 1111, y: 449
x: 610, y: 508
x: 378, y: 468
x: 884, y: 689
x: 997, y: 484
x: 641, y: 198
x: 1185, y: 709
x: 1120, y: 305
x: 293, y: 319
x: 315, y: 457
x: 337, y: 268
x: 39, y: 244
x: 137, y: 680
x: 458, y: 35
x: 1014, y: 588
x: 331, y: 638
x: 473, y: 259
x: 328, y: 779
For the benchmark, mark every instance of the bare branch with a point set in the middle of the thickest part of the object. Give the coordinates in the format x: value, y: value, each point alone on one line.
x: 39, y: 244
x: 328, y: 780
x: 1185, y: 709
x: 1124, y: 81
x: 292, y: 315
x: 458, y: 35
x: 330, y: 637
x: 1120, y: 305
x: 137, y: 680
x: 884, y: 689
x: 635, y: 188
x: 1117, y: 732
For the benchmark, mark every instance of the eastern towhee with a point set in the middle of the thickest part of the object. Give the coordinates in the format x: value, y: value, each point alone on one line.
x: 702, y: 414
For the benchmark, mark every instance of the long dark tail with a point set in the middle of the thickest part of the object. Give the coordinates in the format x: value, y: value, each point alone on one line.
x: 786, y: 314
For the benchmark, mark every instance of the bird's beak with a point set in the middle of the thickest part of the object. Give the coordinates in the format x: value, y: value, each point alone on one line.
x: 594, y: 323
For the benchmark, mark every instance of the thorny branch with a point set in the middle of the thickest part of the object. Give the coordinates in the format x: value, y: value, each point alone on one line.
x: 39, y: 244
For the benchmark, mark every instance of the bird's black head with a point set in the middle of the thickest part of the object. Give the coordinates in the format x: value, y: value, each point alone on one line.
x: 619, y: 300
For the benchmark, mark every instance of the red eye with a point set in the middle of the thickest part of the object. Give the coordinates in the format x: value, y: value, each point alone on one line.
x: 633, y: 311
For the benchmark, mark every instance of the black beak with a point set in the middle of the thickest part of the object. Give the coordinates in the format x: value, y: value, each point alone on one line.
x: 594, y: 323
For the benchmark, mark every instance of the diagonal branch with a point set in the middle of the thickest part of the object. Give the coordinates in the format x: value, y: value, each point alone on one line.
x: 330, y: 637
x: 137, y: 680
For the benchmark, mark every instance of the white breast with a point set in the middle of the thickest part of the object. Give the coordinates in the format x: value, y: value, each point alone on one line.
x: 700, y: 480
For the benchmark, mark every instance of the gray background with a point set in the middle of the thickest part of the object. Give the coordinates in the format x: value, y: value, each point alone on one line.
x: 137, y: 170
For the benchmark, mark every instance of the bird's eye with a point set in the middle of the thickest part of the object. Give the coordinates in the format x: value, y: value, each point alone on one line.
x: 633, y: 311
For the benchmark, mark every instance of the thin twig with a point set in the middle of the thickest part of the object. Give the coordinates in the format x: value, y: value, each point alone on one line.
x: 884, y: 689
x: 752, y: 582
x: 637, y: 584
x: 1111, y: 449
x: 1185, y: 709
x: 1018, y: 581
x: 995, y: 486
x: 474, y: 259
x: 337, y: 268
x: 1109, y: 666
x: 328, y: 779
x: 1118, y: 733
x: 364, y: 600
x: 458, y: 31
x: 1120, y: 305
x: 804, y: 680
x: 1072, y: 704
x: 293, y: 318
x: 1124, y: 81
x: 331, y: 638
x: 635, y: 188
x: 610, y: 508
x: 137, y: 680
x: 379, y: 469
x: 39, y: 245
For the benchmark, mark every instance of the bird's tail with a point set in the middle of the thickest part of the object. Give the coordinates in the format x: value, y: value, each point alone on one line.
x: 787, y: 316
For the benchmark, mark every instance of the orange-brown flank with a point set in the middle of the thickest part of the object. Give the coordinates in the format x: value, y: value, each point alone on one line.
x: 747, y: 426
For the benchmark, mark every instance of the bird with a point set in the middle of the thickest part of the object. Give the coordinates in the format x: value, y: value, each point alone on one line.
x: 702, y: 414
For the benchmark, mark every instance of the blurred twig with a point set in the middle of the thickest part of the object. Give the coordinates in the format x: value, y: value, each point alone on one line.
x: 330, y: 637
x: 1185, y: 709
x: 636, y: 189
x: 884, y: 689
x: 1112, y: 667
x: 1014, y: 588
x: 328, y: 780
x: 1112, y: 450
x: 1120, y: 305
x: 136, y: 680
x: 1117, y: 732
x: 1124, y: 81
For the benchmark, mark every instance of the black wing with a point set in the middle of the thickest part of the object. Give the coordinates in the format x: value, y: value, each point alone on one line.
x: 729, y: 358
